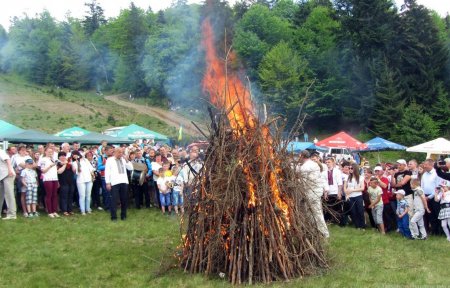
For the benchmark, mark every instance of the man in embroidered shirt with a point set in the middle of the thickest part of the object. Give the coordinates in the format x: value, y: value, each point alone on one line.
x: 117, y: 182
x: 333, y: 196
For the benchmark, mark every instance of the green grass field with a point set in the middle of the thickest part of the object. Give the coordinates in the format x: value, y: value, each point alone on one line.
x: 92, y: 251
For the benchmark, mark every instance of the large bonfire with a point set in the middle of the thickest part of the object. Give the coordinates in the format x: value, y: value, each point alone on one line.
x: 248, y: 218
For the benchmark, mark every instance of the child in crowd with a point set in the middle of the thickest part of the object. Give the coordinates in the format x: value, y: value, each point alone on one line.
x: 29, y: 180
x: 420, y: 205
x: 442, y: 195
x: 164, y: 185
x: 376, y: 204
x: 177, y: 193
x: 402, y: 214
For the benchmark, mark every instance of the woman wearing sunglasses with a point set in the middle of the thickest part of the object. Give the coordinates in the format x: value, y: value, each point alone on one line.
x: 353, y: 189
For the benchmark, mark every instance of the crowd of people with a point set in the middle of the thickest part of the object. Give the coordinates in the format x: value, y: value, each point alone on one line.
x: 406, y: 197
x: 103, y: 177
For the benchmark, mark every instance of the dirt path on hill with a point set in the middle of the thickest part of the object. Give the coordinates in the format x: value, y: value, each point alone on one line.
x: 171, y: 118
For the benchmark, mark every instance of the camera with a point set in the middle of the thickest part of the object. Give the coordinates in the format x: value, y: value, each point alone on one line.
x: 441, y: 163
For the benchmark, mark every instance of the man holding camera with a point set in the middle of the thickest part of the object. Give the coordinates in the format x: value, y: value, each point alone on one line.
x: 141, y: 191
x: 443, y: 169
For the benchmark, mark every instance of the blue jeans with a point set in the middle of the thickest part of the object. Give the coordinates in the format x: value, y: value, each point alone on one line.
x: 403, y: 226
x: 84, y: 193
x: 177, y: 198
x: 165, y: 199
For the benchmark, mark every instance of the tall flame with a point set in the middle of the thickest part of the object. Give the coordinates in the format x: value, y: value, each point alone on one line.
x: 227, y: 91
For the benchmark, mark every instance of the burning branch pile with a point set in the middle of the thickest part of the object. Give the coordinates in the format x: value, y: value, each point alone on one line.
x: 248, y: 216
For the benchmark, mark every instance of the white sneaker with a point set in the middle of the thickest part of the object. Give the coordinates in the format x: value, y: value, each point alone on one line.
x: 9, y: 217
x: 25, y: 214
x: 56, y: 215
x: 51, y: 215
x: 100, y: 208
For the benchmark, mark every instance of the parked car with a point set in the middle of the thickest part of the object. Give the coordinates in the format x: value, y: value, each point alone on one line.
x: 339, y: 154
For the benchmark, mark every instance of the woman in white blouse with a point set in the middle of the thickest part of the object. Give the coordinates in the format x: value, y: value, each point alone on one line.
x: 84, y: 171
x: 50, y: 178
x: 353, y: 188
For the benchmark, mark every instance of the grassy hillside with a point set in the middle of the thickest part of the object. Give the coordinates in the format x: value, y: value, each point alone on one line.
x: 51, y: 109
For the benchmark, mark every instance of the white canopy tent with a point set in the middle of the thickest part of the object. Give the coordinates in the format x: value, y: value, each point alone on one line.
x: 439, y: 146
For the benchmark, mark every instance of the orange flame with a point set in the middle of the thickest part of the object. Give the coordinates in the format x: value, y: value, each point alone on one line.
x: 227, y: 91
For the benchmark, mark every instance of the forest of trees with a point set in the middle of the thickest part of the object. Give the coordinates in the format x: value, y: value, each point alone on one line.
x: 365, y: 63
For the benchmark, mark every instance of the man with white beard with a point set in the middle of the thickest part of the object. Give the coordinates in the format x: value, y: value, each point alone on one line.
x: 315, y: 187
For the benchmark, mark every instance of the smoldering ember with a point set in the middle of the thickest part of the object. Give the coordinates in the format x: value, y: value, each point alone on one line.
x: 249, y: 215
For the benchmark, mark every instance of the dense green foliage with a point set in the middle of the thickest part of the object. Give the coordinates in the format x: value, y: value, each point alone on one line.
x: 364, y: 63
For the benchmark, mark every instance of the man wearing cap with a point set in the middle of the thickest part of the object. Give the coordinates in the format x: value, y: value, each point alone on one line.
x: 430, y: 180
x: 401, y: 180
x: 388, y: 212
x: 315, y: 187
x: 7, y: 176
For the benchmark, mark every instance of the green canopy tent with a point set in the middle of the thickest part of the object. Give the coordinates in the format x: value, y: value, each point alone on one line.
x: 8, y: 128
x: 96, y: 138
x: 134, y: 132
x: 72, y: 132
x: 31, y: 137
x: 86, y: 137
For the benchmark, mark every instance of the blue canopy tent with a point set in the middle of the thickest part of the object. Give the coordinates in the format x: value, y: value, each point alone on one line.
x: 300, y: 146
x: 380, y: 144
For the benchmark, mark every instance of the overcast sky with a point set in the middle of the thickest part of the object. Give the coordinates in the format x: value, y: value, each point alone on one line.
x: 59, y: 8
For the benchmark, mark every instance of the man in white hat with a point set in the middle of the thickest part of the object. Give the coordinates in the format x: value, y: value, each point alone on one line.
x: 402, y: 180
